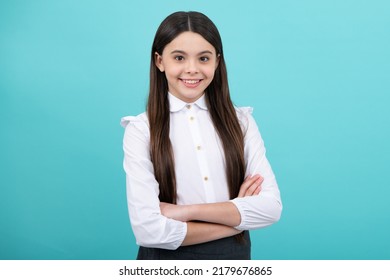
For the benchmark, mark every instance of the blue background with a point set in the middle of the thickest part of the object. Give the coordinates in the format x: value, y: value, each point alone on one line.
x: 316, y: 72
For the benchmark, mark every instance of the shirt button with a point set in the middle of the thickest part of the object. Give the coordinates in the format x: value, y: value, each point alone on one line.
x: 206, y: 178
x: 188, y: 106
x: 198, y: 147
x: 192, y: 118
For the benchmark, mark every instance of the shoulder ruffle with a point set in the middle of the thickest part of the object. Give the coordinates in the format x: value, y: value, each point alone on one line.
x: 244, y: 111
x: 141, y: 118
x: 140, y: 122
x: 243, y: 115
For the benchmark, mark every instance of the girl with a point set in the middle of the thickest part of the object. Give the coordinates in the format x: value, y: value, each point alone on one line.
x: 188, y: 159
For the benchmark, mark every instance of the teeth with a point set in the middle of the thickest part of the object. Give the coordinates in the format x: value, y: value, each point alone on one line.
x: 191, y: 81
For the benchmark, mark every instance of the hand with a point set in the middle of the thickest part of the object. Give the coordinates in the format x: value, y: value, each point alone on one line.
x: 251, y: 186
x: 173, y: 211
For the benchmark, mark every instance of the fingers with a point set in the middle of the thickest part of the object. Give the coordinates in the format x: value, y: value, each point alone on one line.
x: 251, y: 186
x: 245, y: 185
x: 255, y: 188
x: 248, y: 182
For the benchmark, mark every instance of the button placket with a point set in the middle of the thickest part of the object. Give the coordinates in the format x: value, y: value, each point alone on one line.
x: 200, y: 153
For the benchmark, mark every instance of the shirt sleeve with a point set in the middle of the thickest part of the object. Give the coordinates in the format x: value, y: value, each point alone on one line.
x: 264, y: 209
x: 150, y: 227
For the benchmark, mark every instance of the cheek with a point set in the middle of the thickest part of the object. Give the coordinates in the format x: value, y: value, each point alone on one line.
x: 210, y: 72
x: 173, y: 72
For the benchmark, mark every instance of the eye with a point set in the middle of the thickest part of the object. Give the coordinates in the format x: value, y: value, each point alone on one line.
x: 204, y: 59
x: 179, y: 58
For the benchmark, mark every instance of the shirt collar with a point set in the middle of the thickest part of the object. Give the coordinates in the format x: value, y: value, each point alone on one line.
x: 176, y: 104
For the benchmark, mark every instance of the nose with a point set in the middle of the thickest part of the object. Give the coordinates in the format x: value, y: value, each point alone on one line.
x: 191, y: 66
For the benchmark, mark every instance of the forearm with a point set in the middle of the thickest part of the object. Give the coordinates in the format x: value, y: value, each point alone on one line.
x: 225, y: 213
x: 200, y: 232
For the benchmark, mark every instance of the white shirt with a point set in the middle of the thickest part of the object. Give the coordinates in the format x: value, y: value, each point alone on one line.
x: 200, y: 173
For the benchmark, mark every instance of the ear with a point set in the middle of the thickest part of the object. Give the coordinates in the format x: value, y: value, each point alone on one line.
x: 217, y: 61
x: 158, y: 61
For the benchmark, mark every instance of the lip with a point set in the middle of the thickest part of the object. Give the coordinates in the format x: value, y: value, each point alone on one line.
x: 191, y: 83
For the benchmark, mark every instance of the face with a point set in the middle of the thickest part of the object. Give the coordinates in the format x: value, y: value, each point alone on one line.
x: 189, y: 63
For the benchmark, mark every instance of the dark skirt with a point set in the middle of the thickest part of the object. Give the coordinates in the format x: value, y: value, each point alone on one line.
x: 223, y: 249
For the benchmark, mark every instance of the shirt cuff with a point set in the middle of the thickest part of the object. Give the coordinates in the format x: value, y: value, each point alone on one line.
x: 184, y: 233
x: 242, y: 211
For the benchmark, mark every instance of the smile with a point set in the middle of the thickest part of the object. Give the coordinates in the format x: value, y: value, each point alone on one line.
x: 191, y: 82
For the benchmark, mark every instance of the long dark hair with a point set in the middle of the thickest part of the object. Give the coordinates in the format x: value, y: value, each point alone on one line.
x: 218, y: 100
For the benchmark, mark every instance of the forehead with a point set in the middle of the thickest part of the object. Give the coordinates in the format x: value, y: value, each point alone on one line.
x: 189, y: 42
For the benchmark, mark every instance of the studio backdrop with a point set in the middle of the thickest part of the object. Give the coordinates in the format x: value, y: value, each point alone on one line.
x: 316, y: 73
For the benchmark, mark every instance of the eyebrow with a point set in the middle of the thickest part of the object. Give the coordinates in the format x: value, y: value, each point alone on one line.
x: 183, y: 52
